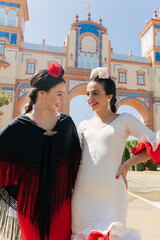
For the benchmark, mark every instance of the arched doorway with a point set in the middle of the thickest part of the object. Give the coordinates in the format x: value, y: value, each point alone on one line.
x: 145, y: 112
x: 79, y: 109
x: 20, y: 105
x: 129, y: 109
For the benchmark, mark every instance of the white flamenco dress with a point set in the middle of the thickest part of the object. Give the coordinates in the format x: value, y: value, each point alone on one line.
x: 100, y: 201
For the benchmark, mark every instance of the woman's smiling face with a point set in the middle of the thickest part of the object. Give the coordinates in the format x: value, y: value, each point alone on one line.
x: 97, y: 97
x: 54, y: 98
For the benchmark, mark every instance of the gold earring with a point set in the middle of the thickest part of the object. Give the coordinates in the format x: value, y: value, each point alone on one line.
x: 108, y: 100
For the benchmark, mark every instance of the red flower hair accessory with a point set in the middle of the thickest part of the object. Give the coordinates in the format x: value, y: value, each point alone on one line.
x: 54, y: 70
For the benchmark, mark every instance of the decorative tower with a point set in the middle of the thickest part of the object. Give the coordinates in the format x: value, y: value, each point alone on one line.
x: 13, y: 15
x: 87, y: 44
x: 150, y: 43
x: 150, y: 39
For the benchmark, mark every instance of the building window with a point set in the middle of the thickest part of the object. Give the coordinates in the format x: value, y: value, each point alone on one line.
x: 122, y: 77
x: 158, y: 39
x: 88, y: 61
x: 94, y: 61
x: 2, y: 45
x: 2, y: 16
x: 140, y: 79
x: 12, y: 18
x: 30, y: 68
x: 82, y: 60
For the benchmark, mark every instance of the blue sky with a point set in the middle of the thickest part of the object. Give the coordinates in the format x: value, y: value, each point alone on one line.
x: 124, y: 19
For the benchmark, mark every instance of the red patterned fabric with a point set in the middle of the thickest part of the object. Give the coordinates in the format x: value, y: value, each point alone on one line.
x: 94, y: 235
x: 155, y: 156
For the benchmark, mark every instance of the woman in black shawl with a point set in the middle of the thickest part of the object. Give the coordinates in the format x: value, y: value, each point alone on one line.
x: 39, y: 159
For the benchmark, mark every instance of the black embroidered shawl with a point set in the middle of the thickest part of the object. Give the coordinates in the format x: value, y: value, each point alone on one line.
x: 38, y: 171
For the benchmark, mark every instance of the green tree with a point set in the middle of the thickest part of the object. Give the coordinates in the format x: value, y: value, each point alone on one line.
x: 5, y: 98
x: 150, y: 165
x: 126, y: 154
x: 131, y: 143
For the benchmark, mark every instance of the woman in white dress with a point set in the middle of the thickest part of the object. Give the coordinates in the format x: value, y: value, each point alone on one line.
x: 99, y: 202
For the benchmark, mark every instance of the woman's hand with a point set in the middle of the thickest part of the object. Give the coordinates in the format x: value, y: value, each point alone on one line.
x: 140, y: 157
x: 123, y: 170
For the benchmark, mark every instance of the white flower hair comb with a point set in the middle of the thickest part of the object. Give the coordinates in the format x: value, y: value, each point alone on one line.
x: 101, y: 72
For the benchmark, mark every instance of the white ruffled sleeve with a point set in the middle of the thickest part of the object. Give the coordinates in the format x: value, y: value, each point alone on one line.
x: 147, y: 139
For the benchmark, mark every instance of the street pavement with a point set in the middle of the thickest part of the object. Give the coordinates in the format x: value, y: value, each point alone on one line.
x: 144, y: 203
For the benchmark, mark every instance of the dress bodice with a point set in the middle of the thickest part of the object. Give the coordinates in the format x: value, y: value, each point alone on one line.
x: 106, y: 145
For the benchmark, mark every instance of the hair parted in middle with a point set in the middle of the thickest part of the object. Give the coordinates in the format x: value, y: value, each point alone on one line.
x: 101, y: 76
x: 44, y: 80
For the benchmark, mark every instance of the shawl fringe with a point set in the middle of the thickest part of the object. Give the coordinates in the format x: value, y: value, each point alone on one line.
x: 38, y: 200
